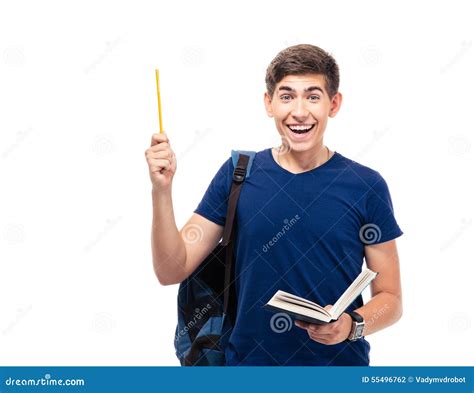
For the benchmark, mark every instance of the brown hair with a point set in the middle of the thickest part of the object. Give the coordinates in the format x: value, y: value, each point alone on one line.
x: 303, y: 59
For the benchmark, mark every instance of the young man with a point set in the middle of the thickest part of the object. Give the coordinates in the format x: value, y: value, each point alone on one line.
x: 307, y: 217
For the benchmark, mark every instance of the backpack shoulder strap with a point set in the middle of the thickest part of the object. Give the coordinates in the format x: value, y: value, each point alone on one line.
x: 242, y: 161
x: 235, y: 158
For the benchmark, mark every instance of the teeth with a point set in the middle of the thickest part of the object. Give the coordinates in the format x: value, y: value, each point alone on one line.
x: 300, y: 128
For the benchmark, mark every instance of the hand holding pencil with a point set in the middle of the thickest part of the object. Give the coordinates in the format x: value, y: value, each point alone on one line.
x: 160, y: 157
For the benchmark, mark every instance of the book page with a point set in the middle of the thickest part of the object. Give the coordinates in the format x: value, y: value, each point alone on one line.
x: 295, y: 300
x: 289, y: 295
x: 351, y: 293
x: 296, y: 309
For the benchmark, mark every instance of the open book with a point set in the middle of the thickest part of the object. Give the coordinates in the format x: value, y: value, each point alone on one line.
x: 308, y: 311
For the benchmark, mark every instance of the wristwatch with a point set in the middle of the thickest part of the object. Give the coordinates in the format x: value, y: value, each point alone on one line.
x: 357, y: 326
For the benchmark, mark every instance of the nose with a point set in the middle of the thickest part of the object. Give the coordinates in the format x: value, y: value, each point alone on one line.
x: 299, y: 110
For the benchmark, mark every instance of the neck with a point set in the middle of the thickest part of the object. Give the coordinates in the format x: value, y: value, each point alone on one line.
x: 296, y: 162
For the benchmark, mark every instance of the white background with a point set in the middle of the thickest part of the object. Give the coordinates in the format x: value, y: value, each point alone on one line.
x: 78, y: 107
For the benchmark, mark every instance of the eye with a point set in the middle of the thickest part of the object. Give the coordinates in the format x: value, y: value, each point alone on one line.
x: 314, y: 97
x: 285, y: 97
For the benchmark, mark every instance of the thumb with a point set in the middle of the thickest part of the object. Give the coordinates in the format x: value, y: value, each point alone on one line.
x: 159, y: 138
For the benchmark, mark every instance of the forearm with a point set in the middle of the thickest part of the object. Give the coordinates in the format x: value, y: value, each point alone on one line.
x: 168, y: 249
x: 383, y: 310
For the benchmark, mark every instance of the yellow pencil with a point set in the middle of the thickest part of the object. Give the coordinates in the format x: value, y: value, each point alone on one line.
x: 159, y: 99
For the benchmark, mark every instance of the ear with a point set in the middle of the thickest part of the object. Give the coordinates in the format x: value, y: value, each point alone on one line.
x: 268, y: 104
x: 336, y: 103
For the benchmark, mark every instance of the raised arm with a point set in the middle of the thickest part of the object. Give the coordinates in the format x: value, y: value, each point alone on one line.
x: 176, y: 254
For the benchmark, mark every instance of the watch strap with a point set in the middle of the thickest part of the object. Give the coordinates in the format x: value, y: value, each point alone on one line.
x: 357, y: 322
x: 356, y: 317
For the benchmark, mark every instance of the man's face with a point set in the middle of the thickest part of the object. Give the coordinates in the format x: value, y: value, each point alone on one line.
x: 301, y: 106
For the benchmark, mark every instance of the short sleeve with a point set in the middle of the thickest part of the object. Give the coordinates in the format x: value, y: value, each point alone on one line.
x: 213, y: 205
x: 381, y: 225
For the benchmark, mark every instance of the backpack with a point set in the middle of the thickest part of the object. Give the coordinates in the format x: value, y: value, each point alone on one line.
x: 206, y: 299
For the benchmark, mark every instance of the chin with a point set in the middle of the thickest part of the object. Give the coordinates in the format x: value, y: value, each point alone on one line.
x: 300, y: 146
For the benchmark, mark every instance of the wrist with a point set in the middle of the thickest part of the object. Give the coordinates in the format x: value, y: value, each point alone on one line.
x: 348, y: 322
x: 160, y: 192
x: 358, y: 325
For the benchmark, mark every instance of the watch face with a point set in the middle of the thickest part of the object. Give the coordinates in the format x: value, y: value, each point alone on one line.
x: 358, y: 331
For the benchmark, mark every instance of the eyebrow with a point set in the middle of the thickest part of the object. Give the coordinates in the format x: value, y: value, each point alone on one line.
x: 311, y: 88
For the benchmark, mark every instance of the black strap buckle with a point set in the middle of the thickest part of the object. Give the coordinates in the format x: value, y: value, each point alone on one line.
x: 239, y: 174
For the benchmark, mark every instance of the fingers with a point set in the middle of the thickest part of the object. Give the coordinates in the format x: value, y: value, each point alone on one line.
x: 318, y: 336
x: 301, y: 324
x: 159, y: 165
x: 167, y: 154
x: 328, y: 334
x: 159, y: 138
x: 322, y: 340
x: 316, y: 333
x: 161, y: 161
x: 317, y: 330
x: 159, y: 155
x: 160, y: 148
x: 311, y: 326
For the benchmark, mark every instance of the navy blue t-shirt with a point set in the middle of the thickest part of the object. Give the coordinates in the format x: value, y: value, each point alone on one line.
x: 305, y: 234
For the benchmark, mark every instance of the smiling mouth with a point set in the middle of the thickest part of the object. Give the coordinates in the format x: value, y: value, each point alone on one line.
x: 300, y: 129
